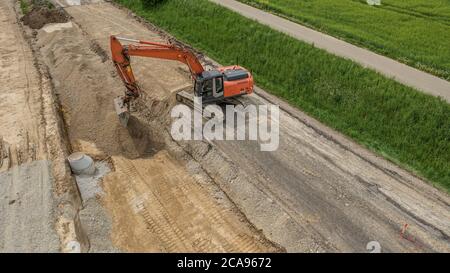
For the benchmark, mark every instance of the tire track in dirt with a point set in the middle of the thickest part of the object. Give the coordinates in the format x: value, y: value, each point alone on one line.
x: 20, y: 98
x: 158, y: 219
x: 169, y: 190
x: 216, y: 216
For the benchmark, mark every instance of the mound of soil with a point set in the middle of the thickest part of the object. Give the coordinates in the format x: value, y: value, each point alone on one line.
x: 39, y: 16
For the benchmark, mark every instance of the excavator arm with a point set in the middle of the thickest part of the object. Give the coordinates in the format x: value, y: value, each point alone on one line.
x: 121, y: 57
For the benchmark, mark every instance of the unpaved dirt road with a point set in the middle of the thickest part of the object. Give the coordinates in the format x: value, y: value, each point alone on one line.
x: 318, y: 192
x: 405, y: 74
x: 340, y: 195
x: 156, y: 198
x: 34, y: 181
x: 26, y: 202
x: 20, y: 96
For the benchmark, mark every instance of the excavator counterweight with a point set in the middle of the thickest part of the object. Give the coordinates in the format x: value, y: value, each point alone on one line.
x: 213, y: 86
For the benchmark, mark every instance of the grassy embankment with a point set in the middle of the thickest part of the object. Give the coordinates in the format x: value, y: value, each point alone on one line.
x: 405, y: 126
x: 415, y: 32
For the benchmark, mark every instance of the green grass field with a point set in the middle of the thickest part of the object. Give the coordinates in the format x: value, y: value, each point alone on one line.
x: 406, y: 126
x: 415, y: 32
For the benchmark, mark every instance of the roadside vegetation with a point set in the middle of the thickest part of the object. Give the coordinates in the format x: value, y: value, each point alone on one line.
x: 404, y: 125
x: 415, y: 32
x: 25, y: 6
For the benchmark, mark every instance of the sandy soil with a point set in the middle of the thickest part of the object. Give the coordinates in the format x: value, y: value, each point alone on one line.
x: 176, y: 213
x: 319, y: 191
x: 26, y: 201
x: 156, y: 202
x: 20, y: 96
x: 36, y: 191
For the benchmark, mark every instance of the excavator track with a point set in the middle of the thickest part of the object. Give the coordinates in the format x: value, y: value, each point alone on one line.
x: 186, y: 98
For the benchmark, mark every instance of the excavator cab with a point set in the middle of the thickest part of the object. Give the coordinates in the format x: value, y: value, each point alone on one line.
x: 209, y: 86
x: 226, y: 82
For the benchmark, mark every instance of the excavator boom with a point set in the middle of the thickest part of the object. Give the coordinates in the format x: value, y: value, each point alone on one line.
x: 121, y: 57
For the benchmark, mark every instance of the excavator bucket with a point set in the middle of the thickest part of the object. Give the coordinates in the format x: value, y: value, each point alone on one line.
x: 122, y: 111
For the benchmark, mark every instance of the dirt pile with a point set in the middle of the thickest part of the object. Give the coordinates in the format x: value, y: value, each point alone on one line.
x: 39, y: 16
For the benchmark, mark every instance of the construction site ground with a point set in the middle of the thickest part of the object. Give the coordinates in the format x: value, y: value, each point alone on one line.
x: 319, y: 192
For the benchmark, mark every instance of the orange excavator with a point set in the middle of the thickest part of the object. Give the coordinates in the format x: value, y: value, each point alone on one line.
x: 213, y: 86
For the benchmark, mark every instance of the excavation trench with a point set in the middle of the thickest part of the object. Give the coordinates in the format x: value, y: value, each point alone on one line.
x: 158, y: 197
